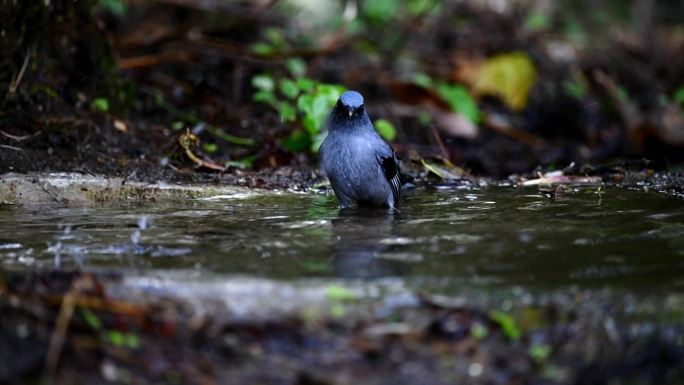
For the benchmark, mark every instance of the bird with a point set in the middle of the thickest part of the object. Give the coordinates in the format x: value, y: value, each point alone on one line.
x: 360, y: 165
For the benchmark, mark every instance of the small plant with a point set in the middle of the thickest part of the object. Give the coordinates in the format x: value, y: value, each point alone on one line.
x: 305, y: 103
x: 456, y: 95
x: 679, y: 96
x: 299, y: 100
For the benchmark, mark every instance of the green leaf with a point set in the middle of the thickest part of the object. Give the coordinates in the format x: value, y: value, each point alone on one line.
x: 287, y: 112
x: 244, y: 163
x: 422, y: 80
x: 337, y: 310
x: 679, y: 96
x: 537, y: 21
x: 219, y: 133
x: 318, y: 141
x: 419, y: 7
x: 507, y: 324
x: 306, y: 84
x: 380, y: 11
x: 460, y: 101
x: 261, y: 48
x: 115, y: 337
x: 91, y: 319
x: 289, y: 88
x: 315, y: 108
x: 478, y: 331
x: 120, y: 339
x: 424, y: 118
x: 177, y: 125
x: 539, y: 352
x: 575, y: 88
x: 340, y: 294
x: 298, y: 141
x: 101, y: 104
x: 210, y: 147
x: 296, y: 66
x: 276, y: 37
x: 331, y: 92
x: 117, y: 7
x: 263, y: 82
x: 622, y: 94
x: 446, y: 172
x: 131, y: 341
x: 385, y: 129
x: 265, y: 97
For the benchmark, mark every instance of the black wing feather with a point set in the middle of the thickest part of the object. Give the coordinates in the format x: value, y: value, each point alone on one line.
x: 390, y: 167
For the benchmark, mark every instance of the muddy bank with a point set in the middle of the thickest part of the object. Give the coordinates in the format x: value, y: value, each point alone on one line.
x: 76, y: 188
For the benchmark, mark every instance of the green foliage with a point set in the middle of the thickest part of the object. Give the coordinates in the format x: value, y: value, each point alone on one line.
x: 189, y: 118
x: 117, y: 7
x: 296, y: 66
x: 419, y: 7
x: 121, y: 339
x: 537, y: 21
x: 380, y: 11
x: 100, y: 104
x: 539, y: 352
x: 507, y: 324
x: 622, y: 94
x: 575, y: 88
x: 385, y: 129
x: 479, y: 331
x: 274, y: 43
x: 244, y: 163
x: 340, y: 294
x: 337, y: 296
x: 457, y: 96
x: 298, y: 100
x: 460, y: 100
x: 210, y: 147
x: 423, y: 80
x: 679, y: 96
x: 91, y: 319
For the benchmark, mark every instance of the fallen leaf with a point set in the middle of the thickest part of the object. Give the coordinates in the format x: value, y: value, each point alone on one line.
x: 509, y: 76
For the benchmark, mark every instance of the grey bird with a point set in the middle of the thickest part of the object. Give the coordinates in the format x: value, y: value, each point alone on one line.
x: 360, y: 165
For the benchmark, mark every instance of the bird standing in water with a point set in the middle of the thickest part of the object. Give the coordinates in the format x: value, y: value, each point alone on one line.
x: 360, y: 165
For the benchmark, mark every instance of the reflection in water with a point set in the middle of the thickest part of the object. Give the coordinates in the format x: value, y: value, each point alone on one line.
x: 358, y: 235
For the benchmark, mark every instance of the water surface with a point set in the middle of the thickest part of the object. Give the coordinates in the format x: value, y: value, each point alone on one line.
x: 441, y: 239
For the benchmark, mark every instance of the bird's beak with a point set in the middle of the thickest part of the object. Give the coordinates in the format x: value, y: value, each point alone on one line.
x: 351, y: 112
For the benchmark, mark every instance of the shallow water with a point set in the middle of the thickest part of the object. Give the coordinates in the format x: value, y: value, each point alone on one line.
x: 441, y: 239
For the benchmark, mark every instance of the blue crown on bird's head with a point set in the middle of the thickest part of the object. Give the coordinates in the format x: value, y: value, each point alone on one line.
x: 351, y: 100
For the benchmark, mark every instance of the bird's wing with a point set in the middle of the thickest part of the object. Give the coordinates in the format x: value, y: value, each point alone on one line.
x: 390, y: 167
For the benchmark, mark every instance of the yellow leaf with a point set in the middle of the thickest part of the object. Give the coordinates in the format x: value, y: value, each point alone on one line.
x: 509, y: 76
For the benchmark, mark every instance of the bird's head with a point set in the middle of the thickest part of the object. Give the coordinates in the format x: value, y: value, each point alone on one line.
x: 350, y: 104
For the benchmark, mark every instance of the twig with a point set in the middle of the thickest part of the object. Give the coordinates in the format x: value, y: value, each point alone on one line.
x: 152, y: 60
x: 66, y: 312
x: 19, y: 138
x: 496, y: 124
x: 11, y: 147
x: 440, y: 143
x: 14, y: 85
